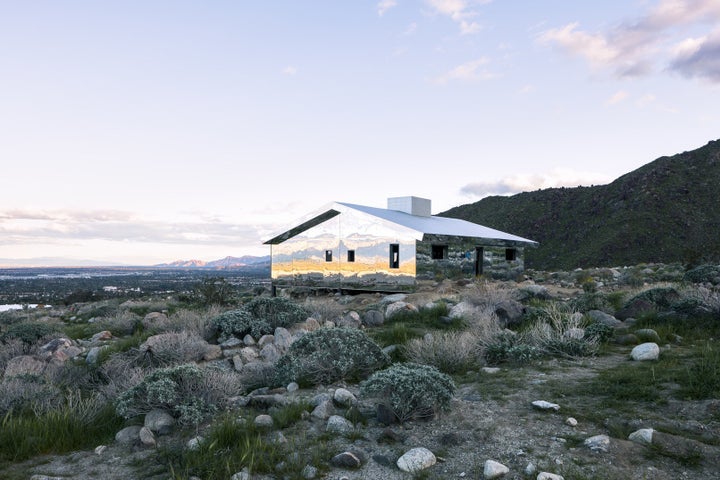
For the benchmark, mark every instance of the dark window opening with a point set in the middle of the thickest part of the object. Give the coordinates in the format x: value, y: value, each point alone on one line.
x: 439, y: 252
x: 328, y: 255
x: 394, y: 255
x: 351, y: 256
x: 510, y: 254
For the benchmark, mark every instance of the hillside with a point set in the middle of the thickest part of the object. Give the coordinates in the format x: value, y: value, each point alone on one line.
x: 666, y: 211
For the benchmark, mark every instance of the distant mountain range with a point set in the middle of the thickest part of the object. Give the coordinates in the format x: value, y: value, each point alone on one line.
x: 665, y: 211
x: 223, y: 263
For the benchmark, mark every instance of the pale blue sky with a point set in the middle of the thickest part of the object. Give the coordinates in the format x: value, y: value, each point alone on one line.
x: 147, y: 131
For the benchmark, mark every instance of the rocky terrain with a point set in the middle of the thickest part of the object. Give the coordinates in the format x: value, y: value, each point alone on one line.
x: 535, y: 395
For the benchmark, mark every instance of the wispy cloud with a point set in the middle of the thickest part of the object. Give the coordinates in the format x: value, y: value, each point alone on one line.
x: 385, y: 5
x: 617, y: 97
x: 60, y: 226
x: 460, y: 11
x: 635, y: 47
x: 289, y: 70
x: 525, y: 183
x: 471, y: 71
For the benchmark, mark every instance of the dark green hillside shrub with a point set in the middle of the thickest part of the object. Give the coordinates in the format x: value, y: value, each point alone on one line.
x: 330, y: 354
x: 235, y: 322
x: 704, y: 274
x: 663, y: 297
x: 189, y: 392
x: 28, y: 333
x: 509, y: 347
x: 411, y: 390
x: 591, y: 301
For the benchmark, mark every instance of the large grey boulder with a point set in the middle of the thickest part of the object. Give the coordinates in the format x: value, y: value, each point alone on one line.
x: 605, y: 318
x: 509, y: 312
x: 129, y: 435
x: 350, y: 320
x: 159, y: 421
x: 283, y: 339
x: 338, y: 425
x: 643, y: 436
x: 416, y: 460
x: 373, y: 318
x: 645, y: 351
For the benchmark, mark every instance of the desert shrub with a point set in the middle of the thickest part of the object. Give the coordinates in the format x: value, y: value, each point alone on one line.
x: 487, y: 294
x: 258, y: 317
x: 119, y: 373
x: 28, y: 333
x: 214, y: 291
x: 704, y: 274
x: 28, y: 393
x: 323, y: 309
x: 561, y: 332
x: 449, y: 352
x: 276, y: 311
x: 508, y: 347
x: 122, y: 323
x: 433, y: 316
x: 599, y: 331
x: 173, y: 348
x: 9, y: 350
x: 328, y: 355
x: 189, y: 392
x: 410, y: 390
x: 236, y: 322
x: 193, y: 321
x: 591, y: 301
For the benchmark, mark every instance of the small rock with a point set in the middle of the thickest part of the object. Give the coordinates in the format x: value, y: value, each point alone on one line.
x: 147, y: 437
x: 292, y: 387
x: 309, y: 472
x: 344, y: 398
x: 46, y: 477
x: 598, y: 443
x: 100, y: 449
x: 101, y: 336
x: 571, y: 421
x: 543, y: 405
x: 494, y: 469
x: 324, y: 410
x: 266, y: 340
x: 645, y: 352
x: 397, y: 307
x: 349, y: 459
x: 248, y: 354
x: 350, y: 320
x: 549, y: 476
x: 604, y: 318
x: 263, y: 421
x: 416, y: 459
x: 643, y: 436
x: 283, y: 339
x: 249, y: 341
x: 194, y: 443
x: 339, y: 425
x: 647, y: 335
x: 530, y: 469
x: 269, y: 353
x: 231, y: 342
x: 385, y: 415
x: 373, y: 318
x: 490, y: 370
x: 244, y: 474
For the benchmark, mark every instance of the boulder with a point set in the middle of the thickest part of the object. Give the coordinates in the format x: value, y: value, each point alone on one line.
x: 338, y: 425
x: 159, y: 421
x: 266, y: 340
x: 147, y: 437
x: 129, y: 435
x: 283, y: 339
x: 643, y: 436
x: 636, y: 309
x: 416, y: 460
x: 549, y: 476
x: 647, y: 335
x: 543, y: 405
x: 350, y: 320
x: 494, y: 469
x: 344, y: 398
x: 510, y: 313
x: 263, y: 421
x: 349, y: 459
x: 269, y: 353
x: 397, y: 307
x: 373, y: 318
x: 604, y: 318
x: 645, y: 351
x: 323, y: 410
x: 598, y: 443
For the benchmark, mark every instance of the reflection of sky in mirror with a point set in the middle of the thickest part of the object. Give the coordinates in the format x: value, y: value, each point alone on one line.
x: 145, y: 132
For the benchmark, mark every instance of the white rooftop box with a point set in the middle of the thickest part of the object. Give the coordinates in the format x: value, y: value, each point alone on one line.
x: 412, y: 205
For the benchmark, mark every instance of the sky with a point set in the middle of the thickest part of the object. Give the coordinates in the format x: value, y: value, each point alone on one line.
x: 145, y: 131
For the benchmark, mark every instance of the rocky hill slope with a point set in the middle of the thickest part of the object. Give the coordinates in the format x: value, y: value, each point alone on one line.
x: 665, y: 211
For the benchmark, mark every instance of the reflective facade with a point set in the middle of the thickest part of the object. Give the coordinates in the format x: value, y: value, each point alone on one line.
x: 343, y: 248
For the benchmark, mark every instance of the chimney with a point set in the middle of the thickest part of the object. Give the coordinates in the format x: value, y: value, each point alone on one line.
x: 412, y: 205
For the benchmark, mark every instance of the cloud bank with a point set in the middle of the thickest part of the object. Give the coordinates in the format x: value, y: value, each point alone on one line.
x: 656, y: 40
x: 525, y: 183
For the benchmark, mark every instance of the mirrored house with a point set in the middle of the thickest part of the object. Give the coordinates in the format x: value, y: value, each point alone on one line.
x: 354, y: 247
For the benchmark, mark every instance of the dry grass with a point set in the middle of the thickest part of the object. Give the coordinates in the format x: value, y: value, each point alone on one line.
x: 323, y: 309
x: 449, y: 352
x: 486, y: 294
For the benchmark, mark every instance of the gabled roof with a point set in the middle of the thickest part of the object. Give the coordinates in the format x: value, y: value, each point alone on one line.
x: 422, y: 225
